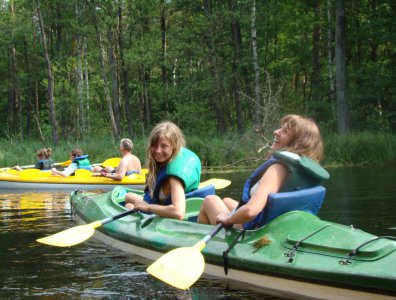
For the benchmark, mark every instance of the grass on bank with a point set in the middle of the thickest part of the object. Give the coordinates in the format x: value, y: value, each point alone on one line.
x: 227, y: 152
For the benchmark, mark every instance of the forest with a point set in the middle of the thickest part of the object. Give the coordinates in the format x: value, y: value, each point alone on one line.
x: 82, y: 68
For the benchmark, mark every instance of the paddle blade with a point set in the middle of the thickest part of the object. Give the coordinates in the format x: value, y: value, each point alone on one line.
x: 111, y: 162
x: 71, y: 236
x: 218, y: 183
x: 63, y: 164
x: 180, y: 267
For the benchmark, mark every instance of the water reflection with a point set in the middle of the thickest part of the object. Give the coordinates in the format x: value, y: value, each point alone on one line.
x: 87, y: 271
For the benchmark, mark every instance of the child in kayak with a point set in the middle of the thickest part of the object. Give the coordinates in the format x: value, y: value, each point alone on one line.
x: 173, y: 171
x: 298, y: 136
x: 79, y: 161
x: 44, y: 160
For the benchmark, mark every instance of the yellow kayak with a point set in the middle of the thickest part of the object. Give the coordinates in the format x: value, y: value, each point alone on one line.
x: 33, y: 179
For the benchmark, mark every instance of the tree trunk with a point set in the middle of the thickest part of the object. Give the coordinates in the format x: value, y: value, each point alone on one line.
x: 29, y: 89
x: 257, y: 109
x: 102, y: 56
x: 316, y: 80
x: 80, y: 83
x: 15, y: 105
x: 341, y: 86
x: 114, y: 80
x: 330, y: 56
x: 221, y: 124
x: 50, y: 89
x: 236, y: 66
x: 164, y: 70
x: 125, y: 76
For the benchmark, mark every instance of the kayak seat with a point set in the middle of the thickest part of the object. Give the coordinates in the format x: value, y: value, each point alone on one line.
x: 202, y: 192
x: 193, y: 205
x: 309, y: 200
x: 194, y: 201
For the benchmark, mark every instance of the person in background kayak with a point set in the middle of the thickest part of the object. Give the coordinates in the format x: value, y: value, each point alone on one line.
x: 128, y: 165
x: 44, y: 160
x: 297, y: 134
x: 173, y: 171
x: 78, y: 161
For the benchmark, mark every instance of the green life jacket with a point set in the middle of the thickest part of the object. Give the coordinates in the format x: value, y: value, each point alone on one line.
x: 186, y: 166
x: 83, y: 162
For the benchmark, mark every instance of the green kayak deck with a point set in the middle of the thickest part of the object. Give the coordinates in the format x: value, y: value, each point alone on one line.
x: 296, y: 254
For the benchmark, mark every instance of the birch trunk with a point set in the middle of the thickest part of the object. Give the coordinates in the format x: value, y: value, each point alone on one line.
x: 50, y: 88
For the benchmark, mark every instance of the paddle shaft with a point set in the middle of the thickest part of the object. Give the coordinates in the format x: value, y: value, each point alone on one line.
x: 213, y: 232
x: 119, y: 216
x: 216, y: 230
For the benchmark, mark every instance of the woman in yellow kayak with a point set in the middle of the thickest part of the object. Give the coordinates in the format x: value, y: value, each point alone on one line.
x: 44, y: 160
x: 173, y: 171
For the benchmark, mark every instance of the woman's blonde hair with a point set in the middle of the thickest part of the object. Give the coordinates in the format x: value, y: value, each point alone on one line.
x: 44, y: 152
x: 305, y: 136
x: 164, y: 130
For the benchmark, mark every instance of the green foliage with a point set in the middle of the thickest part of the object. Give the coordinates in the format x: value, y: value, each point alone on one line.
x: 365, y: 148
x: 227, y: 152
x: 199, y: 63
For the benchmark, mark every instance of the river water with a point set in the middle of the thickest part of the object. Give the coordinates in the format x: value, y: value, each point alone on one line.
x: 362, y: 197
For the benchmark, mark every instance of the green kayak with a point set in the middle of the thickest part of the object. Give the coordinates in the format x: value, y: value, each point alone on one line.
x: 296, y: 255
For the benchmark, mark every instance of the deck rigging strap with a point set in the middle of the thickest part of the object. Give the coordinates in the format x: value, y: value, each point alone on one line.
x: 292, y: 252
x: 225, y: 253
x: 347, y: 260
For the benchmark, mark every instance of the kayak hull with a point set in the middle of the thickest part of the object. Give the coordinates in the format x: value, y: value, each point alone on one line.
x: 14, y: 181
x: 314, y: 272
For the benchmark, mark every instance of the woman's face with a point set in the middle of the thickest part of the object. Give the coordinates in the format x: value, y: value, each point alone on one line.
x: 282, y: 138
x: 162, y: 151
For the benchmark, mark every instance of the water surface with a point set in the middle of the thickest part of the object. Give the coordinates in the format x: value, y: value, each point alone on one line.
x: 362, y: 197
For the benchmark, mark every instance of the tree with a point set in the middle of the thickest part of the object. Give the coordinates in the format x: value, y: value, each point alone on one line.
x: 50, y: 79
x: 341, y: 86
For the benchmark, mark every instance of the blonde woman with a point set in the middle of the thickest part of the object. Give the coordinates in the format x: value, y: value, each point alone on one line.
x: 173, y: 171
x: 297, y: 137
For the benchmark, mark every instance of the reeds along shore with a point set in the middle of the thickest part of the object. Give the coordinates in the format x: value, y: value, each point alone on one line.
x: 231, y: 151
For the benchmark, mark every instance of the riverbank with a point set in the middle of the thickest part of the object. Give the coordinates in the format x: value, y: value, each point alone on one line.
x: 218, y: 154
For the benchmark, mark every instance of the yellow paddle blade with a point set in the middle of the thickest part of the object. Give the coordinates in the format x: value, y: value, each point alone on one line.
x: 71, y: 236
x: 180, y: 267
x: 83, y: 173
x: 63, y: 164
x: 111, y: 162
x: 218, y: 183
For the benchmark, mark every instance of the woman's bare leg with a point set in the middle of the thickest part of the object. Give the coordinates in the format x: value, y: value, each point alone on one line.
x: 211, y: 207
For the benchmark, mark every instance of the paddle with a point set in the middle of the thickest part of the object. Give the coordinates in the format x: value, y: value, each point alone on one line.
x: 62, y: 164
x: 183, y: 266
x: 78, y: 234
x: 110, y: 162
x: 81, y: 233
